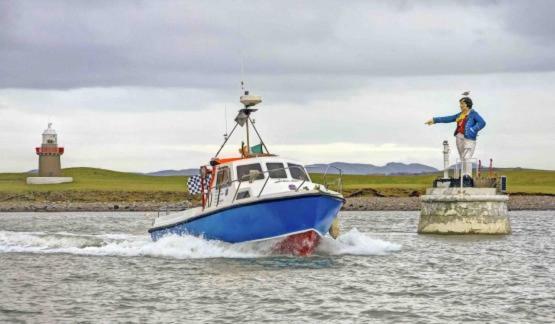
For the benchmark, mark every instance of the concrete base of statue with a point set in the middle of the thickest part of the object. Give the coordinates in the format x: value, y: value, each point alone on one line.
x: 464, y: 211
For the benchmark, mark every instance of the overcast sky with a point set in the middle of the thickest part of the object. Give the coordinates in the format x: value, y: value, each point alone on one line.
x: 144, y: 85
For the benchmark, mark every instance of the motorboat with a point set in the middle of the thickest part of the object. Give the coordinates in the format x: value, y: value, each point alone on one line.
x: 255, y: 197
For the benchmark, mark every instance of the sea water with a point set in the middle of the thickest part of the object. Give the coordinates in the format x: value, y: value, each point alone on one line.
x: 103, y: 267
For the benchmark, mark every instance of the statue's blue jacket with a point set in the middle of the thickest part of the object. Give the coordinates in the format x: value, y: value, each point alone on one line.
x: 474, y: 123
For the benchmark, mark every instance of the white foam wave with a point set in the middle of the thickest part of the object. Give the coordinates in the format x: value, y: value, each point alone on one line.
x: 180, y: 247
x: 119, y: 244
x: 354, y: 242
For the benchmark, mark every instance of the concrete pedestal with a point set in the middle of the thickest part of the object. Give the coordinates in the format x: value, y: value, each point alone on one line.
x: 48, y: 180
x: 464, y: 211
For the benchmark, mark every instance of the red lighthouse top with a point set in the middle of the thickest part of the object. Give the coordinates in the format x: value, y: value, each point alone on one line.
x: 49, y: 143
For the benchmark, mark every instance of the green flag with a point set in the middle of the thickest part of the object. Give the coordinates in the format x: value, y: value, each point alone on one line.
x: 257, y: 149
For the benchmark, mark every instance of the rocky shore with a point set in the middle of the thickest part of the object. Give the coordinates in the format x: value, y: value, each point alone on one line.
x: 516, y: 202
x: 23, y: 206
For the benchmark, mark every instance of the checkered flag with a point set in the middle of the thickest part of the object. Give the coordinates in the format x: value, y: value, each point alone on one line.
x: 193, y: 184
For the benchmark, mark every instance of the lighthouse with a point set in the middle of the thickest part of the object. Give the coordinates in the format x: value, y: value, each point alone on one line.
x: 49, y: 154
x: 50, y: 167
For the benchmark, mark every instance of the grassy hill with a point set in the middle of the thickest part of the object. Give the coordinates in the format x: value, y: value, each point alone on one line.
x: 522, y: 181
x: 92, y: 184
x: 97, y: 179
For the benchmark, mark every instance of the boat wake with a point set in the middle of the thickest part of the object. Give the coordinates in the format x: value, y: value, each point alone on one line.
x: 354, y: 242
x: 179, y: 247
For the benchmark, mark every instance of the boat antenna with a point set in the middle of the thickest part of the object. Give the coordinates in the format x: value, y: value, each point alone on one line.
x: 226, y: 139
x: 247, y: 100
x: 241, y: 56
x: 225, y: 118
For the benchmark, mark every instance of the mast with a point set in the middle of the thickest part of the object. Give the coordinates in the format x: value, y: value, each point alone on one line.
x: 247, y: 129
x: 259, y: 137
x: 243, y: 119
x: 248, y: 101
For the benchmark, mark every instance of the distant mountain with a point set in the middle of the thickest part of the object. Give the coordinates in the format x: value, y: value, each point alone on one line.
x: 346, y: 168
x: 474, y: 166
x: 361, y: 169
x: 395, y: 167
x: 166, y: 173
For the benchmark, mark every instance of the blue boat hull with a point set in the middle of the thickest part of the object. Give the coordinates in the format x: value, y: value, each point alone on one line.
x: 261, y: 220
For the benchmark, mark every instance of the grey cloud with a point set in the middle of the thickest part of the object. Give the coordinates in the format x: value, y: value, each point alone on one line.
x: 285, y: 45
x: 532, y: 19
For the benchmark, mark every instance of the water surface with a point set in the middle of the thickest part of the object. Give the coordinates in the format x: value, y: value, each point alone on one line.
x: 102, y: 267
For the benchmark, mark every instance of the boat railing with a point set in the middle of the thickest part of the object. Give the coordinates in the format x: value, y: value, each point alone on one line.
x: 339, y: 180
x: 250, y: 178
x: 166, y: 210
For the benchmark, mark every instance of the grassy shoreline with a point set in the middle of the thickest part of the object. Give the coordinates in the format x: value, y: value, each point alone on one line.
x: 98, y: 185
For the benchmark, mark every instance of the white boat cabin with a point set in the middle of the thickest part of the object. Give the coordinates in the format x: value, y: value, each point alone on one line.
x: 244, y: 180
x: 250, y: 178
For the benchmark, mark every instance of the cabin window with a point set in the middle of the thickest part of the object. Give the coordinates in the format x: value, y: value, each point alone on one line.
x: 244, y: 172
x: 276, y: 170
x: 297, y: 172
x: 243, y: 194
x: 223, y: 178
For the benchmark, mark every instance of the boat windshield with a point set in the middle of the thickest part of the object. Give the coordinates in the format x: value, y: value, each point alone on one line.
x: 244, y: 172
x: 223, y: 178
x: 297, y: 172
x: 276, y: 170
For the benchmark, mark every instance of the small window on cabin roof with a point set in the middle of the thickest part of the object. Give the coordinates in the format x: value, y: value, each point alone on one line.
x: 223, y: 179
x: 244, y: 172
x: 243, y: 194
x: 297, y: 172
x: 276, y: 170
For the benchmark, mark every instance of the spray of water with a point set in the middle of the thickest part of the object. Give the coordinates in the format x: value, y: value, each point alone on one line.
x: 356, y: 243
x: 179, y: 247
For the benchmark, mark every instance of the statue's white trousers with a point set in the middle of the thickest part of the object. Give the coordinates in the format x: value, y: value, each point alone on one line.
x: 466, y: 149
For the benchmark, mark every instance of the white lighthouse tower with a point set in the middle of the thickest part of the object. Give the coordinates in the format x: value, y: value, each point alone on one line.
x: 50, y: 168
